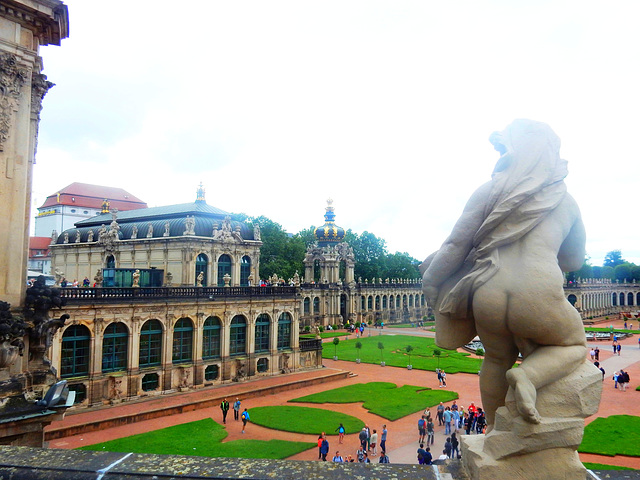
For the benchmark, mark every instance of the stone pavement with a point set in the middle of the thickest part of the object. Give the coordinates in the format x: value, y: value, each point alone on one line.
x: 402, y: 440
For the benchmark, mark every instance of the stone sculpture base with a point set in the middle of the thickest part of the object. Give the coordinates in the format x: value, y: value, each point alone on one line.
x: 515, y: 449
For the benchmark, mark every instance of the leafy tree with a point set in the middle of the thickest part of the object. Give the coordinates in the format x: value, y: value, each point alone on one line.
x: 409, y: 349
x: 635, y: 273
x: 359, y: 348
x: 613, y: 259
x: 622, y: 272
x: 399, y: 265
x: 608, y: 272
x: 437, y: 353
x: 381, y: 347
x: 597, y: 272
x: 280, y: 253
x: 336, y: 341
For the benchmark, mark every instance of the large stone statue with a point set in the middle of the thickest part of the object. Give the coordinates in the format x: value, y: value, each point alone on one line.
x: 499, y: 274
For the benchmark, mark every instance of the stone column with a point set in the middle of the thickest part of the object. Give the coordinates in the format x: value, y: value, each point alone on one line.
x: 25, y: 26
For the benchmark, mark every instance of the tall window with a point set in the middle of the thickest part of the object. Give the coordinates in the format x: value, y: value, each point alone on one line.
x: 202, y: 261
x: 151, y: 344
x: 316, y: 305
x: 284, y: 331
x: 392, y: 302
x: 211, y: 338
x: 262, y: 332
x: 369, y: 303
x: 224, y: 268
x: 114, y: 347
x: 238, y: 336
x: 111, y: 262
x: 245, y: 271
x: 183, y: 341
x: 307, y: 306
x: 75, y: 351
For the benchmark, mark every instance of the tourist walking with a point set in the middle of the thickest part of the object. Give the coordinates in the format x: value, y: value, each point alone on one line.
x: 338, y: 458
x: 421, y: 454
x: 324, y: 448
x: 224, y: 406
x: 430, y: 432
x: 320, y: 438
x: 340, y: 431
x: 374, y: 442
x: 383, y: 440
x: 236, y: 409
x: 440, y: 413
x: 455, y: 444
x: 245, y: 419
x: 447, y: 421
x: 422, y: 429
x: 362, y: 436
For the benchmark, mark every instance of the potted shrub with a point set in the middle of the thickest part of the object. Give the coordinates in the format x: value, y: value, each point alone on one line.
x: 359, y: 348
x: 437, y: 353
x: 336, y: 341
x: 409, y: 349
x: 381, y: 347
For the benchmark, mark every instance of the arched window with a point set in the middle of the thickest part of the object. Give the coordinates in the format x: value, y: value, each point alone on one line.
x: 363, y: 302
x: 150, y: 382
x: 398, y: 301
x: 183, y: 341
x: 114, y: 347
x: 572, y: 299
x: 384, y: 302
x: 263, y: 365
x: 377, y: 302
x: 75, y: 352
x: 621, y: 299
x: 638, y: 298
x: 245, y: 271
x: 202, y: 262
x: 211, y: 338
x: 392, y: 302
x: 411, y: 300
x: 262, y: 332
x: 614, y: 299
x: 110, y: 262
x: 238, y: 336
x: 224, y: 268
x: 370, y: 303
x: 316, y: 305
x: 284, y: 331
x: 630, y: 298
x: 307, y: 306
x: 151, y: 344
x: 211, y: 372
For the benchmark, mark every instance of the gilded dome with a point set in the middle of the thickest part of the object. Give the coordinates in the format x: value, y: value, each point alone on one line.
x: 329, y: 233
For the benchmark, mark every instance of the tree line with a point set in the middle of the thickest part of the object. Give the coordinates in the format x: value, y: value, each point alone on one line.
x: 283, y: 253
x: 614, y: 268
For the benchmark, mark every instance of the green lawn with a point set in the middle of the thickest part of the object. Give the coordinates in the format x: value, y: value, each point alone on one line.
x: 304, y: 420
x: 382, y: 398
x: 330, y: 334
x: 201, y: 438
x: 394, y: 354
x: 602, y: 466
x: 608, y: 330
x: 614, y: 435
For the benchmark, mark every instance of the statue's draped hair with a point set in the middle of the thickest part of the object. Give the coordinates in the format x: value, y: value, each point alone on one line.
x: 527, y: 184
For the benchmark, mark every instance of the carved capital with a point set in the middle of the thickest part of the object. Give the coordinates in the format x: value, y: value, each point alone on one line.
x: 12, y: 79
x: 39, y: 88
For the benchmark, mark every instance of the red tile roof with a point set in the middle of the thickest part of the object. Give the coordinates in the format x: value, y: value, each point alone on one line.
x: 39, y: 243
x: 92, y: 196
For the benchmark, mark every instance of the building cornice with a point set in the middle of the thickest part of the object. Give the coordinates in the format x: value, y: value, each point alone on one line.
x: 47, y: 19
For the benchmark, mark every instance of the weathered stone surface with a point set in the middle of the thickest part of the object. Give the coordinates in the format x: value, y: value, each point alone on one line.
x: 556, y: 464
x: 29, y: 463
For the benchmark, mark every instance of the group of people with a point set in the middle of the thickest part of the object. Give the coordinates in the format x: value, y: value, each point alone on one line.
x: 442, y: 377
x: 224, y: 406
x: 621, y: 378
x: 453, y: 418
x: 368, y: 446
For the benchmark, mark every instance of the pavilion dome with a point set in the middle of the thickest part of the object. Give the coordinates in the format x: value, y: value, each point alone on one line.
x: 329, y: 233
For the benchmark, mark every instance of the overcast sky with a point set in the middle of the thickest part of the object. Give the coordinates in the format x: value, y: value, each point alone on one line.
x: 384, y: 106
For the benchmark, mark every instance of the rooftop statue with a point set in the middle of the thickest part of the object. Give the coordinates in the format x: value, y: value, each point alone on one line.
x: 499, y: 273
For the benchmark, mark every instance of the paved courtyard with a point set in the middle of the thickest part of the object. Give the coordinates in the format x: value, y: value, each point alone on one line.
x: 402, y: 438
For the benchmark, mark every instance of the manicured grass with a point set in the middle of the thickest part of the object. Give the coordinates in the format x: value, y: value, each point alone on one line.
x: 608, y: 330
x: 602, y: 466
x: 394, y: 354
x: 330, y: 334
x: 201, y: 438
x: 383, y: 398
x: 614, y: 435
x: 304, y: 420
